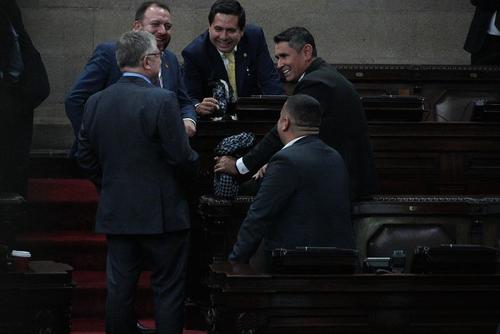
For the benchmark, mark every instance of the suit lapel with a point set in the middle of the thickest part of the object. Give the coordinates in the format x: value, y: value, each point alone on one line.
x: 241, y: 59
x: 166, y: 72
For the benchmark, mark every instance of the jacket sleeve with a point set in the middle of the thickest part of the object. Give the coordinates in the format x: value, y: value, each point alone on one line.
x: 86, y: 155
x: 92, y: 79
x: 185, y: 102
x: 269, y: 79
x: 174, y: 139
x: 277, y: 187
x: 260, y: 154
x: 192, y: 77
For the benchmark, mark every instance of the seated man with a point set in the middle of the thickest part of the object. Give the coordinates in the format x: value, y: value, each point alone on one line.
x: 230, y: 51
x: 304, y: 196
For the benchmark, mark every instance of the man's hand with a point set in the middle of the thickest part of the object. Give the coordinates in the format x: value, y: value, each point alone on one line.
x: 206, y: 107
x: 190, y: 127
x: 225, y: 164
x: 260, y: 173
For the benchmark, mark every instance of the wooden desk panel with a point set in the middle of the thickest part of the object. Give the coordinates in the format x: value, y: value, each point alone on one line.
x: 244, y: 301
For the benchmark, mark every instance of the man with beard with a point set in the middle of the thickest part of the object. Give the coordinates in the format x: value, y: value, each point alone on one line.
x: 102, y: 70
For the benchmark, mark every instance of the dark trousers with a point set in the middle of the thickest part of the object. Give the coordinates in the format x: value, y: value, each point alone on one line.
x: 16, y: 129
x: 168, y: 254
x: 489, y: 53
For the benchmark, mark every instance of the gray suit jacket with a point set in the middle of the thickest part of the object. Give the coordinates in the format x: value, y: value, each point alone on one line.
x: 133, y: 140
x: 303, y: 201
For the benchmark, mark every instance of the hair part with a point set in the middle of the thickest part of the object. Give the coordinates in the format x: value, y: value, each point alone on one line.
x: 139, y: 14
x: 305, y: 111
x: 133, y: 46
x: 296, y: 37
x: 229, y: 7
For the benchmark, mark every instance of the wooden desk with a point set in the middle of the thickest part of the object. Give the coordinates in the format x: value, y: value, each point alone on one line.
x: 244, y: 301
x: 410, y: 157
x: 37, y: 301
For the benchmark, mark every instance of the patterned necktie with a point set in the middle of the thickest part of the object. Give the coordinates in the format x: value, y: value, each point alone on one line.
x: 231, y: 72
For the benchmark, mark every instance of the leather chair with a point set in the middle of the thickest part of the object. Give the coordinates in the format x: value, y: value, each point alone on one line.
x: 405, y: 237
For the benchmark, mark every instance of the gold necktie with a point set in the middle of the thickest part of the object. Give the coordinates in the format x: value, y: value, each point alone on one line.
x: 231, y: 72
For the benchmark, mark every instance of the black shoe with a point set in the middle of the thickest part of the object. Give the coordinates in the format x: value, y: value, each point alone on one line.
x: 141, y: 329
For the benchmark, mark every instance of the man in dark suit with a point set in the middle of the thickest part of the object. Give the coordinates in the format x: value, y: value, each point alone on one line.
x: 304, y: 196
x: 343, y: 124
x: 23, y: 86
x: 231, y: 51
x: 483, y: 39
x: 132, y: 141
x: 102, y: 71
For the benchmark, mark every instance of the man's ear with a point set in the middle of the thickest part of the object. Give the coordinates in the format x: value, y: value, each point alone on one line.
x: 137, y: 26
x: 308, y: 51
x: 146, y: 63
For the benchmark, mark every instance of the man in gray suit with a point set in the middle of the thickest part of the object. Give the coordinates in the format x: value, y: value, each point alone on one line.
x: 304, y: 196
x: 134, y: 145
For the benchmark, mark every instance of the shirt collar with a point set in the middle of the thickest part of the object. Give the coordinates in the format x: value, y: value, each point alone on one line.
x: 293, y: 141
x: 223, y: 54
x: 137, y: 75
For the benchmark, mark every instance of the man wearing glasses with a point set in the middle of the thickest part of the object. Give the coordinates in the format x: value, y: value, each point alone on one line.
x: 143, y: 209
x: 102, y: 70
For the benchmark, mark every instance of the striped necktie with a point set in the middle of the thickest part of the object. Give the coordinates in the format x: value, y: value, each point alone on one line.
x: 231, y: 72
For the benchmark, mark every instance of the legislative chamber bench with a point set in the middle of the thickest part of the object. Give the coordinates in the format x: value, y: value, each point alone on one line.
x: 244, y: 301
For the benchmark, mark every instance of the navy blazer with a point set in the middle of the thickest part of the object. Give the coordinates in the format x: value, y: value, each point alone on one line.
x: 255, y: 71
x: 303, y: 201
x: 133, y: 139
x: 102, y: 70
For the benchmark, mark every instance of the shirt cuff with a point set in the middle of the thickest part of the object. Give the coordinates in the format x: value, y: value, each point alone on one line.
x: 190, y: 119
x: 242, y: 169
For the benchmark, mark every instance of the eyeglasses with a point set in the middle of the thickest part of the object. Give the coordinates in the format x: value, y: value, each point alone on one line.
x: 153, y: 54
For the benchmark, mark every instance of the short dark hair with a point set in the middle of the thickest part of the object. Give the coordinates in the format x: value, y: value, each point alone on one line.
x: 229, y: 7
x: 296, y: 37
x: 132, y: 46
x: 139, y: 14
x: 305, y: 110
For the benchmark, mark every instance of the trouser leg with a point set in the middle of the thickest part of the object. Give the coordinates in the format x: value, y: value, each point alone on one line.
x: 123, y: 267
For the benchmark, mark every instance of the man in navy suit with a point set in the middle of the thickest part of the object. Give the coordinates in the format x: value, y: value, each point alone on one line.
x: 102, y: 70
x: 228, y: 42
x: 483, y: 39
x: 134, y: 144
x: 304, y: 196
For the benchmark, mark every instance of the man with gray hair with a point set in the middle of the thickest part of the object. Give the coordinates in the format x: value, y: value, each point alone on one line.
x: 132, y: 141
x: 101, y: 70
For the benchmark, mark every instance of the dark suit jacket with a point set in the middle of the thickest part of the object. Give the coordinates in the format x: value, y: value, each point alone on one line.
x: 102, y: 71
x: 343, y: 127
x: 133, y: 137
x: 480, y: 22
x: 303, y: 201
x: 255, y: 71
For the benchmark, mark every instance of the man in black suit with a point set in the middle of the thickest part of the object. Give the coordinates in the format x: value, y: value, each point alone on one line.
x: 132, y: 141
x: 343, y: 124
x: 483, y: 39
x: 304, y: 196
x: 229, y: 50
x: 23, y: 86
